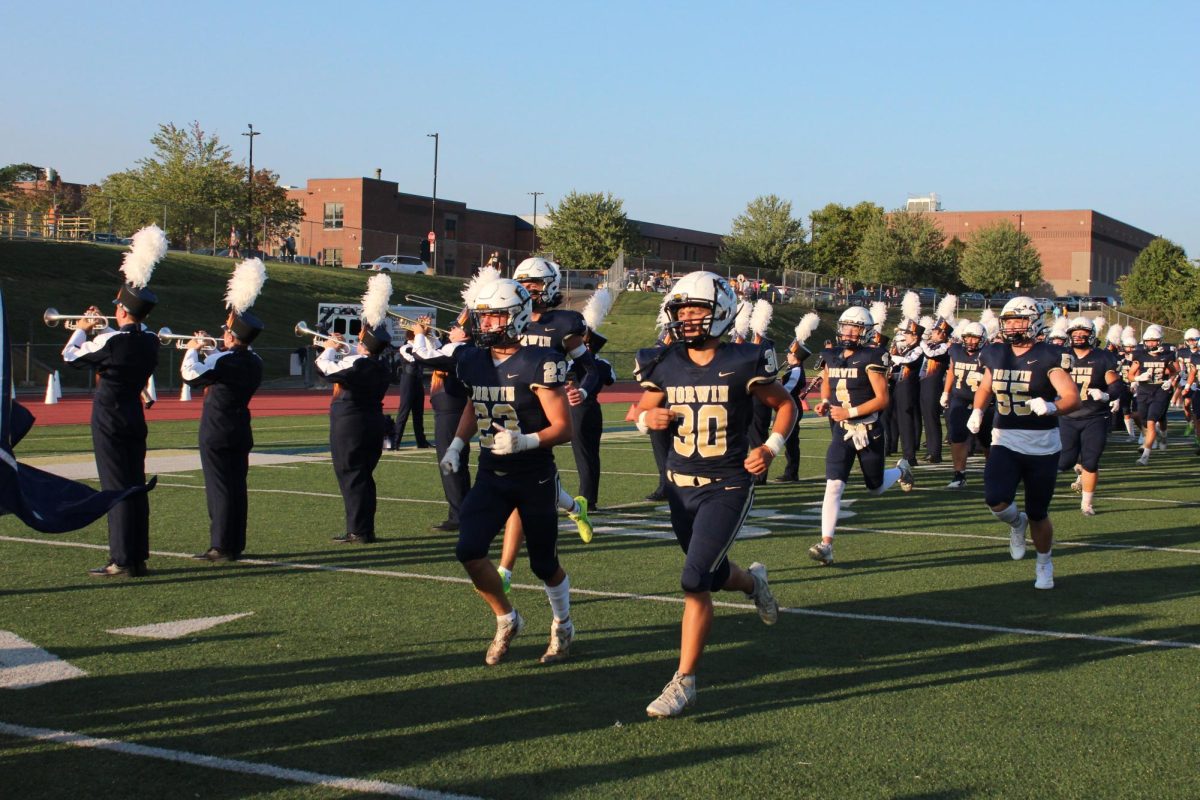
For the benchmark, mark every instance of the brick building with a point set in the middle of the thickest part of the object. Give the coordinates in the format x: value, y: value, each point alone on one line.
x: 1083, y: 252
x: 351, y: 220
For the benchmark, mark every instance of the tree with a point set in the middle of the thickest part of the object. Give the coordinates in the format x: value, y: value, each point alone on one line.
x: 766, y: 235
x: 997, y: 256
x: 1163, y: 285
x: 192, y: 179
x: 837, y: 232
x: 36, y: 200
x: 588, y: 230
x: 906, y: 249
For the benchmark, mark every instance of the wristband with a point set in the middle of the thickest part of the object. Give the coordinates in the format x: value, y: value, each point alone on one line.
x: 775, y: 443
x: 578, y: 351
x: 641, y: 423
x: 456, y: 446
x: 529, y: 441
x: 852, y: 411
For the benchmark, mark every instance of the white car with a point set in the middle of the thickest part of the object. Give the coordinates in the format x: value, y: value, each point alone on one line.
x: 405, y: 265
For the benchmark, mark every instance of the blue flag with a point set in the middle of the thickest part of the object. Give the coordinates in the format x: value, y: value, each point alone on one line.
x: 45, y: 502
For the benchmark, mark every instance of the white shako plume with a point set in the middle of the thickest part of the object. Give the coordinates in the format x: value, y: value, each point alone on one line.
x: 597, y: 308
x: 245, y: 284
x: 760, y: 318
x: 808, y: 323
x: 148, y: 248
x: 910, y: 306
x: 375, y: 301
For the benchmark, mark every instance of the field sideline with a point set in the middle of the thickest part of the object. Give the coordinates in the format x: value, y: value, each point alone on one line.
x: 922, y: 664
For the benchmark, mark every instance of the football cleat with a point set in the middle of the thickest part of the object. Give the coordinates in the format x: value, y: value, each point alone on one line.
x: 1077, y: 485
x: 581, y: 520
x: 821, y: 552
x: 676, y: 696
x: 1144, y: 461
x: 505, y: 633
x: 1087, y: 511
x: 764, y: 601
x: 1045, y: 575
x: 1016, y: 538
x: 906, y: 476
x: 960, y: 480
x: 561, y: 636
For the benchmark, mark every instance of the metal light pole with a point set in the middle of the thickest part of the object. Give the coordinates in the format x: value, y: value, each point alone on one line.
x: 536, y: 195
x: 433, y: 206
x: 250, y: 189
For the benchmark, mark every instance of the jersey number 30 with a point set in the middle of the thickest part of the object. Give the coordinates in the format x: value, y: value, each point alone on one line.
x: 701, y: 430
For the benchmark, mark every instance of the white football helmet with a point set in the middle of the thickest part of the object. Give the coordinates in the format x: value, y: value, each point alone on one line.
x: 1152, y: 334
x: 501, y: 296
x: 972, y: 330
x: 706, y: 289
x: 1084, y: 326
x: 1020, y: 308
x: 854, y: 317
x: 1128, y: 340
x: 545, y: 271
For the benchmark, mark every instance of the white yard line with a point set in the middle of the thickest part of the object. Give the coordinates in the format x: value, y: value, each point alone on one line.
x: 226, y: 764
x: 923, y: 621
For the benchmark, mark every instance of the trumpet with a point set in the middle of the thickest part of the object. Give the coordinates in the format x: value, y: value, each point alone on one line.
x: 321, y: 339
x: 409, y: 323
x: 70, y: 321
x: 181, y: 340
x: 441, y: 305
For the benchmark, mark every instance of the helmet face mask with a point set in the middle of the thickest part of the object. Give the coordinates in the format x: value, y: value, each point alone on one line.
x: 706, y: 292
x: 1015, y: 312
x: 504, y: 299
x: 973, y: 331
x: 854, y: 327
x: 541, y: 278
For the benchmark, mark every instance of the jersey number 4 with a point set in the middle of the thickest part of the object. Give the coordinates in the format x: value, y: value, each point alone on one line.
x: 701, y: 430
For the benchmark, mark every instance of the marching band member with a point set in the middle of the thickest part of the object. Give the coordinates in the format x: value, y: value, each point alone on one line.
x: 124, y: 359
x: 701, y: 390
x: 230, y: 378
x: 936, y: 348
x: 906, y: 360
x: 587, y: 419
x: 520, y: 409
x: 796, y: 385
x: 356, y: 422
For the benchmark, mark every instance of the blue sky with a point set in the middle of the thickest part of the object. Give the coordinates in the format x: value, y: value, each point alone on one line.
x: 685, y: 110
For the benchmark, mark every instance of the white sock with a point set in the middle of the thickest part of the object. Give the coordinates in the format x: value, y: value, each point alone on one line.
x: 1009, y: 515
x: 560, y: 599
x: 566, y: 502
x: 1129, y: 426
x: 831, y: 506
x: 509, y: 617
x: 1145, y: 452
x: 1087, y: 500
x: 1043, y: 558
x: 890, y: 476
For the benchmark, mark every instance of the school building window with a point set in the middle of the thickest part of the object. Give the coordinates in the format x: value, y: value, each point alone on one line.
x: 332, y: 256
x: 333, y: 216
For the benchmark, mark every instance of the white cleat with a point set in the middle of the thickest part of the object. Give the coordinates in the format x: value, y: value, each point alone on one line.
x: 1087, y: 511
x: 676, y: 696
x: 906, y: 475
x: 1016, y: 538
x: 1077, y: 486
x: 1144, y: 461
x: 1045, y: 575
x: 821, y: 552
x: 764, y: 601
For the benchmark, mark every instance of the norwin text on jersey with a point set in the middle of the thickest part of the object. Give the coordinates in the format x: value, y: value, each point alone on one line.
x: 503, y: 394
x: 711, y: 403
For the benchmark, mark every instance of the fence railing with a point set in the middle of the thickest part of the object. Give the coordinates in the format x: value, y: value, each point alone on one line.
x: 1114, y: 316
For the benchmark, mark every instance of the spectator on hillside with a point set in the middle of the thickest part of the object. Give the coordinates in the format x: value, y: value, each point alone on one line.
x: 235, y: 243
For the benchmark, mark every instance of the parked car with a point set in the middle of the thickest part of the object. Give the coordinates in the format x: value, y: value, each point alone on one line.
x: 998, y: 300
x: 928, y: 296
x: 404, y: 265
x: 971, y: 300
x: 1069, y: 302
x: 861, y: 298
x: 1097, y: 302
x: 244, y: 253
x: 105, y: 238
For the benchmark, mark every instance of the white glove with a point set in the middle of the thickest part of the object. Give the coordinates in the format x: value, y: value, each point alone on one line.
x: 1142, y: 377
x: 507, y: 442
x: 945, y: 400
x: 975, y: 421
x: 1115, y: 406
x: 450, y: 461
x: 1099, y: 395
x: 1040, y: 407
x: 858, y: 435
x: 1166, y: 385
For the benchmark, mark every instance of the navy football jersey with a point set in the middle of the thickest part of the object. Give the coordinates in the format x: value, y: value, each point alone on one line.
x: 1088, y: 373
x: 1018, y: 379
x: 503, y: 394
x: 554, y: 326
x: 712, y: 403
x: 1154, y: 364
x: 1195, y: 362
x: 849, y: 383
x: 967, y: 372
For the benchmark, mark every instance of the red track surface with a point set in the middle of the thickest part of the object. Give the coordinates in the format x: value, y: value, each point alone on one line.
x: 77, y: 409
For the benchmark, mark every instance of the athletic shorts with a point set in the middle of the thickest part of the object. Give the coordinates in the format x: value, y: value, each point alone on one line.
x: 493, y: 496
x: 706, y: 520
x: 956, y: 418
x: 1083, y: 441
x: 840, y: 457
x: 1005, y: 468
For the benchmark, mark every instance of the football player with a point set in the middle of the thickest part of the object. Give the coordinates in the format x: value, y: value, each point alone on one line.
x: 700, y: 389
x: 1191, y: 400
x: 1150, y: 370
x: 855, y: 375
x: 1128, y: 345
x: 1084, y: 432
x: 962, y: 379
x: 520, y: 409
x: 562, y: 330
x: 1031, y: 384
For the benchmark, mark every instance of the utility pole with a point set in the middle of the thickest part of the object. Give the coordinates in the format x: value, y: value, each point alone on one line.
x: 250, y: 189
x: 536, y: 195
x: 433, y: 206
